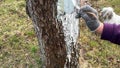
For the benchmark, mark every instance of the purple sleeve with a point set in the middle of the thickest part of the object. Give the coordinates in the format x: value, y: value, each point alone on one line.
x: 111, y: 32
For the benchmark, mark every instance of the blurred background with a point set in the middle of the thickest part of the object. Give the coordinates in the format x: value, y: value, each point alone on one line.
x: 19, y: 47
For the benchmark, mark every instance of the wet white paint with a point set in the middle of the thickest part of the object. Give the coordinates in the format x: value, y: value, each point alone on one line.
x: 76, y: 3
x: 71, y: 31
x: 70, y: 24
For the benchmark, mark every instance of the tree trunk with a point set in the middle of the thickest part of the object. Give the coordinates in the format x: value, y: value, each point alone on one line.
x: 51, y: 35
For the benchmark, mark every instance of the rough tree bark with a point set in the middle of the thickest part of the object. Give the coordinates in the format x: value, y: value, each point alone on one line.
x: 50, y: 34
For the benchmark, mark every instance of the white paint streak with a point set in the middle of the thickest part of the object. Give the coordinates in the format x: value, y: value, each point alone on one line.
x: 76, y: 3
x: 70, y: 27
x: 69, y: 57
x: 71, y: 32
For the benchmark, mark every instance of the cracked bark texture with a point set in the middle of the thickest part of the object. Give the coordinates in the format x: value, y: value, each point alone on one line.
x: 50, y: 34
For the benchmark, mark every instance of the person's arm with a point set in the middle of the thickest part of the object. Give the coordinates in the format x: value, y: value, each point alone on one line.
x: 109, y: 32
x: 100, y: 28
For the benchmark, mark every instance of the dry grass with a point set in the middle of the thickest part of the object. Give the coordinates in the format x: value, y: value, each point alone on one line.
x: 18, y: 44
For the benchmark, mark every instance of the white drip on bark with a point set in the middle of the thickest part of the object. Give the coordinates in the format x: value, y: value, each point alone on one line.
x: 66, y: 13
x: 71, y: 31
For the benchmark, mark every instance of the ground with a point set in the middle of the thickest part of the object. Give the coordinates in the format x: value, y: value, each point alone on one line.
x: 18, y: 43
x: 19, y: 47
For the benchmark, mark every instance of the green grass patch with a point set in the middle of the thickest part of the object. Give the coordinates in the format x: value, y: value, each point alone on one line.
x: 18, y: 42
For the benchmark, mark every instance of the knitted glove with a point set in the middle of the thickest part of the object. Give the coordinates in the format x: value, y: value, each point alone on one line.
x: 90, y: 16
x: 86, y: 8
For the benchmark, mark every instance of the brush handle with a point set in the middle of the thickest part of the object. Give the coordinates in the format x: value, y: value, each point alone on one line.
x: 86, y: 8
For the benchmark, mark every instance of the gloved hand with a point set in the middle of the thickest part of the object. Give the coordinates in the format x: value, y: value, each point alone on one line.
x: 86, y: 8
x: 90, y: 16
